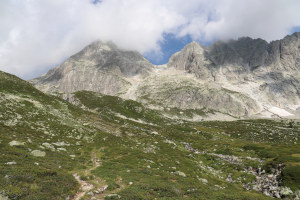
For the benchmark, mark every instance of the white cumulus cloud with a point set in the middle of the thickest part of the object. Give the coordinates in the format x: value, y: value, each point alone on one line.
x: 36, y: 35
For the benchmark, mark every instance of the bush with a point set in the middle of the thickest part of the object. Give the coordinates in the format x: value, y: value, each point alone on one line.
x: 291, y: 177
x: 83, y: 178
x: 112, y: 186
x: 260, y: 151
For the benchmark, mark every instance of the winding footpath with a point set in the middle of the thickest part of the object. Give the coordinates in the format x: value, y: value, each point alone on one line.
x: 84, y: 185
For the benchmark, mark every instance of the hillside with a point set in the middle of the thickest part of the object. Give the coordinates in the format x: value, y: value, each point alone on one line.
x: 106, y: 147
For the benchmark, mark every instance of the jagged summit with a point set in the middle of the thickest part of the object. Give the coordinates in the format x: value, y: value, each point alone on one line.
x: 242, y: 77
x: 250, y: 52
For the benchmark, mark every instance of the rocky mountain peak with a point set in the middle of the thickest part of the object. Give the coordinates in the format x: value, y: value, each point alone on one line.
x: 194, y: 45
x: 97, y: 47
x: 190, y: 58
x: 101, y: 67
x: 107, y: 56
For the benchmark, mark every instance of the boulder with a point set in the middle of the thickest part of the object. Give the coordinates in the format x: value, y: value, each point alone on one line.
x: 49, y: 146
x: 16, y: 143
x: 180, y: 173
x: 2, y: 197
x: 285, y: 191
x: 38, y: 153
x: 203, y: 180
x: 11, y: 163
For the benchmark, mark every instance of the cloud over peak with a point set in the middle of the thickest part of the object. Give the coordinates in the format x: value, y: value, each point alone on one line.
x: 35, y: 35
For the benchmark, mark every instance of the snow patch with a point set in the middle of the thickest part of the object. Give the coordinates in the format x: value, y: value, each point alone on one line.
x: 279, y: 111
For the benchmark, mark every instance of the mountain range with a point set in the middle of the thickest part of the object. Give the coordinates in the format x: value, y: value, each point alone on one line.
x: 243, y: 78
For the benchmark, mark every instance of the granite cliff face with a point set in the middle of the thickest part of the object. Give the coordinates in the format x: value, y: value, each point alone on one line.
x: 244, y: 77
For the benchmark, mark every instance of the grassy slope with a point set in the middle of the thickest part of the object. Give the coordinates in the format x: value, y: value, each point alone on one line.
x: 27, y: 115
x: 274, y: 141
x: 139, y: 158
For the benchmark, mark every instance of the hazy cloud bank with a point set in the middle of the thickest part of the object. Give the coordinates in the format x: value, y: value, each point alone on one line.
x: 36, y: 35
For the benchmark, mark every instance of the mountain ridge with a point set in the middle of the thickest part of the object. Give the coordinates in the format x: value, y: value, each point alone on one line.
x: 250, y: 77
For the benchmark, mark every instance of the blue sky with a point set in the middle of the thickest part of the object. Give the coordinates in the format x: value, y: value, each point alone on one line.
x: 295, y: 29
x: 170, y: 45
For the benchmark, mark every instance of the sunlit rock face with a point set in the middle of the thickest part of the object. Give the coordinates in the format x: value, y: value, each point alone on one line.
x: 100, y: 67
